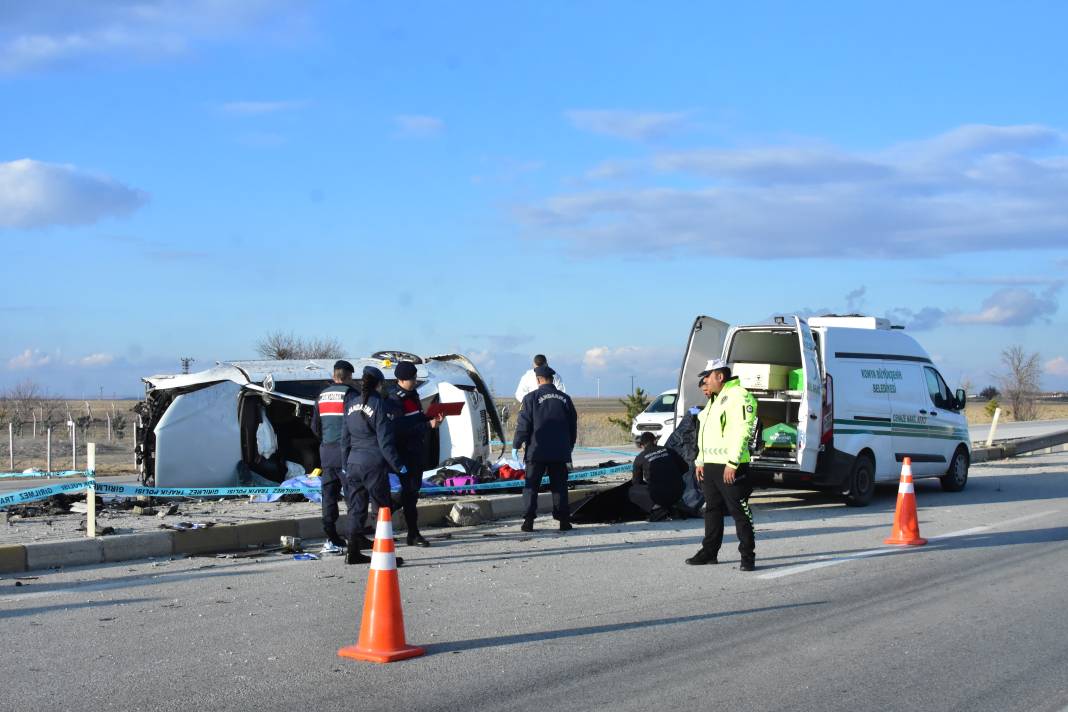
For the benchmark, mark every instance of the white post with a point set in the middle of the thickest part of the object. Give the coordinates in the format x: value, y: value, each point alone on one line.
x: 10, y: 447
x: 34, y: 414
x: 48, y: 451
x: 109, y: 427
x: 90, y: 490
x: 993, y: 427
x: 74, y: 447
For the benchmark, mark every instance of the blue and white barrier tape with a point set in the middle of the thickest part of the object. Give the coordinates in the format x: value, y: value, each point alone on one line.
x: 35, y: 493
x: 139, y: 491
x: 38, y: 493
x: 43, y: 475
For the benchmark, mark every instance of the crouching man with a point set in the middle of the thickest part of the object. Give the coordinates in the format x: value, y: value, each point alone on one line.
x: 656, y: 481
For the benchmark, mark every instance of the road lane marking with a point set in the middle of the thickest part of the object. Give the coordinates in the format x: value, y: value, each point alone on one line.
x: 834, y: 561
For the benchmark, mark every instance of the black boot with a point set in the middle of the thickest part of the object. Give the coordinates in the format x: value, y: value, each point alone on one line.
x: 747, y: 565
x: 354, y: 555
x: 528, y: 525
x: 702, y: 558
x: 566, y: 526
x: 417, y: 539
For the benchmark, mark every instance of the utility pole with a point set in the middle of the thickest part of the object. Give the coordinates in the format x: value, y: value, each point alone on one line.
x: 186, y: 360
x: 632, y: 384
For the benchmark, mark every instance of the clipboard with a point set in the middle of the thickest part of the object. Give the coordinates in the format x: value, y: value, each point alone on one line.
x: 445, y: 409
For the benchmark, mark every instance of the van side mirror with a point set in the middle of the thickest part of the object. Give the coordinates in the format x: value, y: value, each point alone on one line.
x: 962, y: 398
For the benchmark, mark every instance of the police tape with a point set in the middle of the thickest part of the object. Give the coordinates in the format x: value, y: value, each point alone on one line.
x: 36, y: 493
x: 37, y: 474
x: 122, y: 490
x: 142, y: 491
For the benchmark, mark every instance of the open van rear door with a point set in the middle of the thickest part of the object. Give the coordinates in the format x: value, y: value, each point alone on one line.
x: 705, y: 342
x: 810, y: 414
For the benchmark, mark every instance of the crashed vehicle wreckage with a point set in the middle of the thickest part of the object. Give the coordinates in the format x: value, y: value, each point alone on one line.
x: 248, y: 423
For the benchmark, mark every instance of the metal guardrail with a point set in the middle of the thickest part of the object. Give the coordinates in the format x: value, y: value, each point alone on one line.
x: 1012, y: 448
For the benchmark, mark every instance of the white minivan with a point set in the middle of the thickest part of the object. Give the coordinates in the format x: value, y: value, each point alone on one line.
x: 841, y: 402
x: 658, y: 418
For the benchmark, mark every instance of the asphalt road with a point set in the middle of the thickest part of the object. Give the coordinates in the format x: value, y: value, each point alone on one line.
x: 606, y: 617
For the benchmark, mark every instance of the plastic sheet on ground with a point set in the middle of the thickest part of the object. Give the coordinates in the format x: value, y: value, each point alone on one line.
x: 301, y: 481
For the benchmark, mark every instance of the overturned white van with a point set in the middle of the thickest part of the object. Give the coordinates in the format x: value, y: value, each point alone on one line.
x: 247, y: 422
x: 841, y: 402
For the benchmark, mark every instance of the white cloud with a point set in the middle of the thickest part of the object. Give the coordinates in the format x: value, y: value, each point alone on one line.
x: 44, y: 34
x: 100, y: 359
x: 630, y: 125
x: 1013, y: 307
x: 30, y: 358
x: 970, y: 190
x: 1057, y: 366
x: 418, y: 126
x: 255, y: 108
x: 632, y: 359
x: 36, y: 194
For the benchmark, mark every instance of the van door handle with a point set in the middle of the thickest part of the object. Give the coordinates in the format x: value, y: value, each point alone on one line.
x: 811, y: 416
x: 933, y: 413
x: 923, y: 412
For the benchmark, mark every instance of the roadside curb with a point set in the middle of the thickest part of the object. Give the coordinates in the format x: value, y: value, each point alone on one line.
x: 18, y: 558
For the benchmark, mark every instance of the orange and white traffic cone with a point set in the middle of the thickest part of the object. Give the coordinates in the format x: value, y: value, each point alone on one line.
x: 382, y: 629
x: 906, y: 526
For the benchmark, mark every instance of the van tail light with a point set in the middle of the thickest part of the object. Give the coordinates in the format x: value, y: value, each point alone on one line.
x: 827, y: 436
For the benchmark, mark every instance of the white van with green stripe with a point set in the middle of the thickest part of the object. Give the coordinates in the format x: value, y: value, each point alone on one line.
x: 841, y: 402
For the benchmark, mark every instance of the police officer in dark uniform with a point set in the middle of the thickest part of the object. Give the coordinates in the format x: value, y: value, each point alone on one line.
x: 548, y: 427
x: 370, y: 452
x: 411, y: 427
x: 656, y: 478
x: 327, y: 423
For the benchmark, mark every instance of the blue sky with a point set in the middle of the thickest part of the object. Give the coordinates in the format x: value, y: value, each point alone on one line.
x: 500, y: 179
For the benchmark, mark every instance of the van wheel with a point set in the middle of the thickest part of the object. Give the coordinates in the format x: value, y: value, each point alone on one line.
x: 861, y: 482
x: 957, y: 474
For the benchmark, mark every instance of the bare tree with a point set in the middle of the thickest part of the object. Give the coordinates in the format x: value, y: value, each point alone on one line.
x: 286, y: 345
x: 1020, y: 382
x: 19, y: 402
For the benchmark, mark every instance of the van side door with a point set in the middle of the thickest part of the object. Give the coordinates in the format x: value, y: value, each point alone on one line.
x: 810, y: 413
x: 946, y: 425
x: 914, y: 434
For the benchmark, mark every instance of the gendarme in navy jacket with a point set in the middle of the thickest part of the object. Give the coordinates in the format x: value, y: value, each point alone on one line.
x: 367, y: 438
x: 547, y: 425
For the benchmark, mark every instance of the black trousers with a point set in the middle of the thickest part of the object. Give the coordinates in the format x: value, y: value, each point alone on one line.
x: 331, y: 489
x: 557, y: 472
x: 722, y: 499
x: 363, y: 483
x: 409, y: 495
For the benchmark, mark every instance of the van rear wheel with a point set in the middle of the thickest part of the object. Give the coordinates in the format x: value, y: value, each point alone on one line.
x: 956, y: 476
x: 861, y: 482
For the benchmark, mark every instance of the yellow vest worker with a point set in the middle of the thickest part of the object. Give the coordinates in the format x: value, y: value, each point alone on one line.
x: 725, y: 429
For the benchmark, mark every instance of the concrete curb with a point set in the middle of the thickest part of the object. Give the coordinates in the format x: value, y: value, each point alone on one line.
x: 238, y: 537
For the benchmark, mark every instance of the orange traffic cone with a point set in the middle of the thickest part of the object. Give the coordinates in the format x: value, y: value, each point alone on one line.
x: 906, y: 526
x: 382, y: 629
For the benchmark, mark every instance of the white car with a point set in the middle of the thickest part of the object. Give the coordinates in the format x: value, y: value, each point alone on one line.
x: 658, y: 418
x: 841, y: 402
x: 249, y: 422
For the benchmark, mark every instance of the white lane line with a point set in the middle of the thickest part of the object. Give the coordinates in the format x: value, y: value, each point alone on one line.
x: 834, y: 561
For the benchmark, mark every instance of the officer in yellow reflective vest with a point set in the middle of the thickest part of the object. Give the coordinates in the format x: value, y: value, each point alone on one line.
x: 725, y: 429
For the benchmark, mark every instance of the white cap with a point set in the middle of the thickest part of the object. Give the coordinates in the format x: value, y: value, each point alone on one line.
x: 714, y: 364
